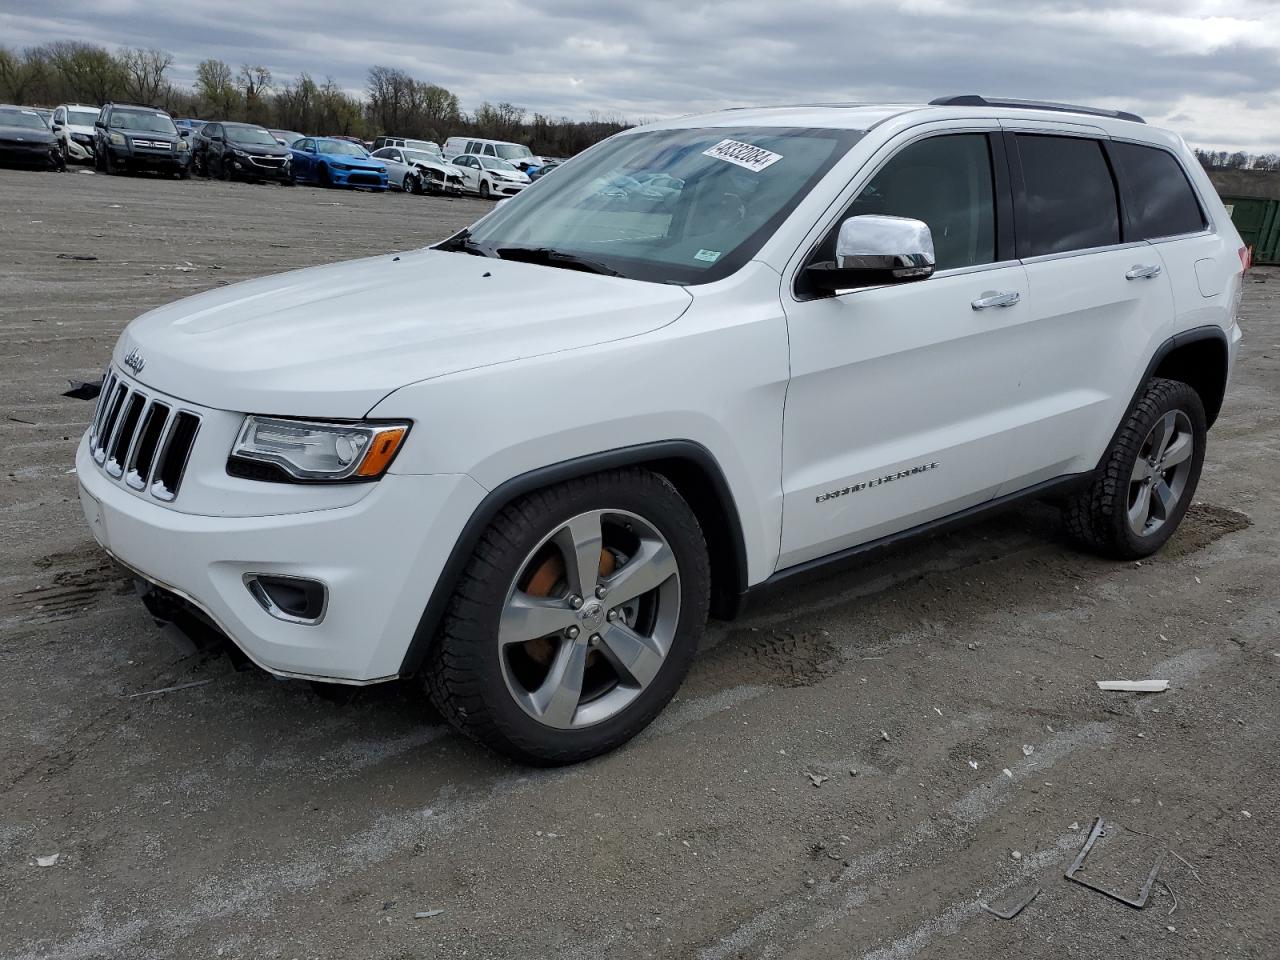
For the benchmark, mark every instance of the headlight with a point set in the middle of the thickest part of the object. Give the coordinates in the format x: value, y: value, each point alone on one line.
x: 117, y: 139
x: 307, y: 451
x: 339, y: 166
x: 183, y: 145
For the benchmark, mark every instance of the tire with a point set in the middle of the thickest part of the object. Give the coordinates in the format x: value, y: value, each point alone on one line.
x: 184, y: 173
x: 484, y: 190
x: 108, y: 165
x: 631, y: 653
x: 1160, y: 447
x: 410, y: 184
x: 325, y: 178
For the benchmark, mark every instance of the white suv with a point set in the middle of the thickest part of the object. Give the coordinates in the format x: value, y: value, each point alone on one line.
x: 525, y: 464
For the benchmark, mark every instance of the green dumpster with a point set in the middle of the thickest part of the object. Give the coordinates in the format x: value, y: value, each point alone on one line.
x: 1258, y: 221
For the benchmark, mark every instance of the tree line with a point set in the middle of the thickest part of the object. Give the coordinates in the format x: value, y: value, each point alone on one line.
x: 1222, y: 160
x: 393, y: 102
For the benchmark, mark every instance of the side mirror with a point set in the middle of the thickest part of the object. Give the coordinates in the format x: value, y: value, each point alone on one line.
x: 184, y: 132
x: 873, y: 250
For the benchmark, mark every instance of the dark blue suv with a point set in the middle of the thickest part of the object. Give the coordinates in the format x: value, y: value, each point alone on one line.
x: 130, y: 137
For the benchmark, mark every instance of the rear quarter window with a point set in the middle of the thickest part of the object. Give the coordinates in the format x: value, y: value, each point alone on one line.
x: 1159, y: 200
x: 1071, y: 199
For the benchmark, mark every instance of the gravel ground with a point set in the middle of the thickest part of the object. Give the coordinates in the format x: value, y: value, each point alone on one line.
x: 849, y: 771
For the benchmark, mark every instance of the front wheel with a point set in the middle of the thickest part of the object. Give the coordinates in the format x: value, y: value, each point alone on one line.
x: 410, y: 184
x: 576, y: 620
x: 484, y: 190
x: 1147, y: 478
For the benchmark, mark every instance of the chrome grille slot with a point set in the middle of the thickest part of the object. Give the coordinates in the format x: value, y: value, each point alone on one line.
x: 122, y: 442
x: 109, y: 418
x: 141, y: 440
x: 173, y: 459
x: 142, y: 459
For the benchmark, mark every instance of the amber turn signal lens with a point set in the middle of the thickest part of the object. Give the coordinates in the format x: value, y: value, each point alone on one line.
x: 381, y: 451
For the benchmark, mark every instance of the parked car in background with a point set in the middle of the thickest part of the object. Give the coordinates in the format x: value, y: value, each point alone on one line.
x: 517, y: 154
x: 426, y: 146
x: 132, y: 137
x: 539, y: 172
x: 285, y: 138
x: 489, y: 176
x: 73, y: 126
x: 336, y: 162
x: 242, y: 151
x: 416, y: 171
x: 189, y: 124
x: 45, y: 114
x: 26, y: 139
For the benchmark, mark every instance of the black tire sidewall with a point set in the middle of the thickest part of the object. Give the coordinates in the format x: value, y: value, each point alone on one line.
x: 1167, y: 396
x: 647, y: 496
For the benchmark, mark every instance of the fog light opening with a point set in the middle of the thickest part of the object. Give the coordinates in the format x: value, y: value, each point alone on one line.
x: 292, y: 599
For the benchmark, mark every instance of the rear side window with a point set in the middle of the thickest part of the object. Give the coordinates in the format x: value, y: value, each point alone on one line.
x: 1070, y: 195
x: 1160, y: 201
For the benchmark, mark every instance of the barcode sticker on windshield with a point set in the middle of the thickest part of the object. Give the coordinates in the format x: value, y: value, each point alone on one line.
x: 744, y: 155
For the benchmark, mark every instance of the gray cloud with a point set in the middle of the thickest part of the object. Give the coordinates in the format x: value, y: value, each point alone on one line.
x: 1206, y: 68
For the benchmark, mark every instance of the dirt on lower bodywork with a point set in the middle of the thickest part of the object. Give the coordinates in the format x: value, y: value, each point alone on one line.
x: 851, y: 770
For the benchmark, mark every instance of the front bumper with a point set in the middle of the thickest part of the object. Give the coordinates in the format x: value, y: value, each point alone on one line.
x: 146, y: 158
x: 367, y: 179
x: 378, y: 557
x: 259, y: 168
x: 79, y: 151
x: 507, y: 189
x: 34, y: 154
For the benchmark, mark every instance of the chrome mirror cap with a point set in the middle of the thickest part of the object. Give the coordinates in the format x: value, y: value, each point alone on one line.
x: 899, y: 245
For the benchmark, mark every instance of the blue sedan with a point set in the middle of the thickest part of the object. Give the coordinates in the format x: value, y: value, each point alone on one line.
x: 331, y: 162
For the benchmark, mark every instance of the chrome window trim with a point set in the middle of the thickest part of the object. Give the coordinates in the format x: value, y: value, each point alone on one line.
x: 1084, y: 252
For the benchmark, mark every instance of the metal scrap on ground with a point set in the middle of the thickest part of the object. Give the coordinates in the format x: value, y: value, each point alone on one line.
x: 1014, y: 910
x: 1141, y: 900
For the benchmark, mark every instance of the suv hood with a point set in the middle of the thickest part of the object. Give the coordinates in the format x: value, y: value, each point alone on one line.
x: 332, y: 341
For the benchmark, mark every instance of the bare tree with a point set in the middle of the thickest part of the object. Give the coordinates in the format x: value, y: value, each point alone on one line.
x: 144, y: 71
x: 216, y: 88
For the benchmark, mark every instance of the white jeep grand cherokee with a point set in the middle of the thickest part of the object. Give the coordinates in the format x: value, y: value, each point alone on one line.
x: 704, y: 357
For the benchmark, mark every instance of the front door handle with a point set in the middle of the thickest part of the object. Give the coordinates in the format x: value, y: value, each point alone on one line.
x: 992, y: 298
x: 1143, y: 272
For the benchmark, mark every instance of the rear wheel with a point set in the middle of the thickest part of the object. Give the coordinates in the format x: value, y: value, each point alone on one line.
x: 576, y: 620
x: 1147, y: 479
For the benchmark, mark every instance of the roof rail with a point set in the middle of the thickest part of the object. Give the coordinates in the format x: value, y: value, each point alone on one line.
x: 974, y: 100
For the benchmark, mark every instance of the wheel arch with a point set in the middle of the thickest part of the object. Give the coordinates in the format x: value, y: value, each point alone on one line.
x: 1198, y: 358
x: 686, y: 464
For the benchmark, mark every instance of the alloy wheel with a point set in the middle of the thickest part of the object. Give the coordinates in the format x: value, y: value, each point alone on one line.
x: 1160, y: 473
x: 589, y: 619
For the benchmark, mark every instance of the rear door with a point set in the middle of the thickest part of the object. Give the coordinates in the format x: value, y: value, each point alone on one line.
x: 1099, y: 297
x: 896, y: 410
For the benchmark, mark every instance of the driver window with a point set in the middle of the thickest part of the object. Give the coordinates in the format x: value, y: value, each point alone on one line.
x: 945, y: 181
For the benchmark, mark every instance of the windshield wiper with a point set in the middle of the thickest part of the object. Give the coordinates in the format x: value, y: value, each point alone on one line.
x: 557, y: 258
x: 462, y: 243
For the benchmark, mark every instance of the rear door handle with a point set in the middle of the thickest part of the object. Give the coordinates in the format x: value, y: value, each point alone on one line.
x: 1143, y: 272
x: 991, y: 298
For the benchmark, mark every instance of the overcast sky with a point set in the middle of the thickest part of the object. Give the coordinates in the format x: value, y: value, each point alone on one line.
x: 1209, y: 69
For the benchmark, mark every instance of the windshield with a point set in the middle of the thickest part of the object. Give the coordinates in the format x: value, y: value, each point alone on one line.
x: 493, y: 163
x: 81, y: 118
x: 147, y: 121
x: 421, y: 156
x: 512, y: 151
x: 22, y: 118
x: 251, y: 135
x: 343, y: 148
x: 670, y: 206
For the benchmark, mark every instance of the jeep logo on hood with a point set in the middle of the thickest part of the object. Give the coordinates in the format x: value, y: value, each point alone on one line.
x: 135, y: 362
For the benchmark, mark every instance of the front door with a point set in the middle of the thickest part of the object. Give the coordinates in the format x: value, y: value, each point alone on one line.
x: 897, y: 409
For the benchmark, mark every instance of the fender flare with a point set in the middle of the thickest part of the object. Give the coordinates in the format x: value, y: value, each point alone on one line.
x: 497, y: 498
